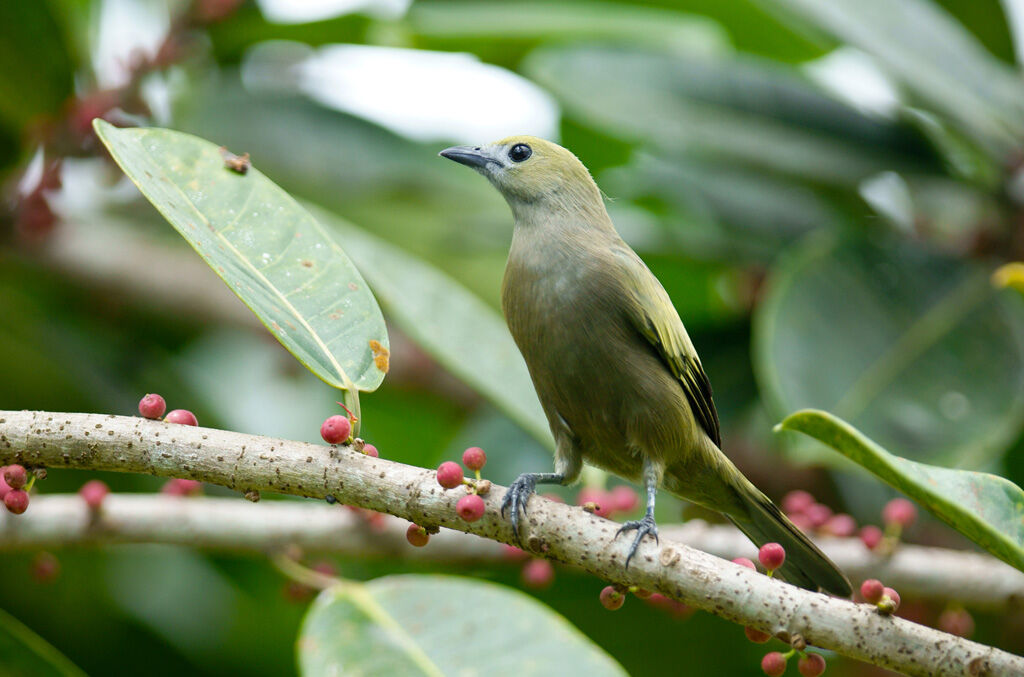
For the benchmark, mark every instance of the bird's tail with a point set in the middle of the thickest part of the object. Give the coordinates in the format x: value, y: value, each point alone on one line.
x: 762, y: 522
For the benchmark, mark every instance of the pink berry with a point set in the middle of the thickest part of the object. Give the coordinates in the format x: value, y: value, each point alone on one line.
x: 326, y: 568
x: 16, y: 476
x: 872, y: 590
x: 93, y: 492
x: 956, y: 622
x: 470, y: 507
x: 771, y: 556
x: 811, y: 664
x: 818, y: 514
x: 449, y: 474
x: 840, y: 525
x: 796, y: 502
x: 893, y: 595
x: 182, y: 416
x: 371, y: 450
x: 16, y: 501
x: 336, y: 429
x: 4, y: 487
x: 756, y: 636
x: 899, y: 511
x: 871, y: 536
x: 611, y: 598
x: 600, y: 499
x: 45, y: 567
x: 152, y: 406
x: 773, y: 664
x: 474, y: 458
x: 623, y: 498
x: 417, y: 535
x: 744, y: 562
x: 512, y: 552
x: 538, y: 574
x: 180, y: 487
x: 801, y: 521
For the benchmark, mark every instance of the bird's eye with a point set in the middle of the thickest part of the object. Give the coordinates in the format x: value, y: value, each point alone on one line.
x: 519, y: 152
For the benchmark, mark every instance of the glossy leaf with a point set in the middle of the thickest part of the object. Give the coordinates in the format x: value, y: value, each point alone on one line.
x: 736, y: 110
x: 934, y: 57
x: 26, y: 654
x: 283, y: 264
x: 913, y: 348
x: 459, y: 330
x: 441, y: 625
x: 988, y: 509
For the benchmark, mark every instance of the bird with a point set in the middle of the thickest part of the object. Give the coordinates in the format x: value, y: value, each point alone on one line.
x: 618, y: 378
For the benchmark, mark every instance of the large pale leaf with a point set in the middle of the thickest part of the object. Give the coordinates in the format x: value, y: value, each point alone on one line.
x: 283, y: 264
x: 986, y: 508
x: 913, y: 348
x: 740, y: 110
x: 23, y: 653
x: 934, y: 57
x: 441, y: 625
x: 462, y: 332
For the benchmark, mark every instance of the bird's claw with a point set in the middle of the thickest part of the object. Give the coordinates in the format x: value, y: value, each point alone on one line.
x: 516, y: 497
x: 643, y: 527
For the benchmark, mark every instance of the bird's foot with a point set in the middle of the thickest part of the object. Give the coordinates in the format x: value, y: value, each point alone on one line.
x: 643, y: 527
x: 516, y: 497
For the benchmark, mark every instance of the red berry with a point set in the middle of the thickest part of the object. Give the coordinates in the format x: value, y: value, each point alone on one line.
x: 893, y: 595
x: 801, y: 521
x: 538, y: 574
x: 871, y: 536
x: 179, y: 487
x: 326, y: 568
x: 623, y: 498
x: 756, y: 636
x: 744, y: 562
x: 956, y: 622
x: 840, y: 525
x: 93, y: 492
x: 771, y: 556
x: 470, y: 507
x: 611, y: 598
x: 474, y: 458
x: 182, y: 416
x: 16, y: 501
x: 512, y: 552
x: 16, y: 476
x: 4, y: 487
x: 152, y: 406
x: 899, y: 511
x: 45, y: 567
x: 811, y: 664
x: 872, y: 590
x: 371, y: 450
x: 417, y: 535
x: 600, y: 499
x: 773, y: 664
x: 818, y: 514
x: 449, y: 474
x: 336, y: 429
x: 796, y: 502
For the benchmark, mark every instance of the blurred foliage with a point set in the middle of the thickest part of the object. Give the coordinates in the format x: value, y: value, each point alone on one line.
x: 825, y: 250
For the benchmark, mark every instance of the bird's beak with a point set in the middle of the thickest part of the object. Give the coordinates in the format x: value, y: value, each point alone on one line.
x: 471, y: 156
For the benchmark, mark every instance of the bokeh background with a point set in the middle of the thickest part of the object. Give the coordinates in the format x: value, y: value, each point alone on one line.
x: 824, y: 188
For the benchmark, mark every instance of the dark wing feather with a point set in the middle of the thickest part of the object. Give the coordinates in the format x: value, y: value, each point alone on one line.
x: 654, y: 316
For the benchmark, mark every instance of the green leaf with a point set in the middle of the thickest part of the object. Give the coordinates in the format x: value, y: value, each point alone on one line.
x: 441, y: 625
x: 283, y: 264
x: 914, y: 348
x: 733, y: 110
x: 26, y: 654
x: 934, y: 57
x: 988, y: 509
x: 36, y: 69
x: 459, y: 330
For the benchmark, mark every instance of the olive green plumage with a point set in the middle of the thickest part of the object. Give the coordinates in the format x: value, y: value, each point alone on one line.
x: 617, y: 375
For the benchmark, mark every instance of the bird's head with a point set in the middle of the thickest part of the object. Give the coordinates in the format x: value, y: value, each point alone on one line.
x: 532, y: 173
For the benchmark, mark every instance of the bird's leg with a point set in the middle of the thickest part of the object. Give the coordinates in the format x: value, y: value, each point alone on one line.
x: 652, y: 477
x: 519, y: 493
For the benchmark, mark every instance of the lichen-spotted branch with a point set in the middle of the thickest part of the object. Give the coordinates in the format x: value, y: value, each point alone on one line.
x: 560, y: 532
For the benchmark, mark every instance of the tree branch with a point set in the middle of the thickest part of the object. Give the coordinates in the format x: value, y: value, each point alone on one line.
x: 56, y: 521
x: 561, y: 532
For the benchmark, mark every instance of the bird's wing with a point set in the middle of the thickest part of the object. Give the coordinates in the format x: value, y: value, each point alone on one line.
x: 654, y: 316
